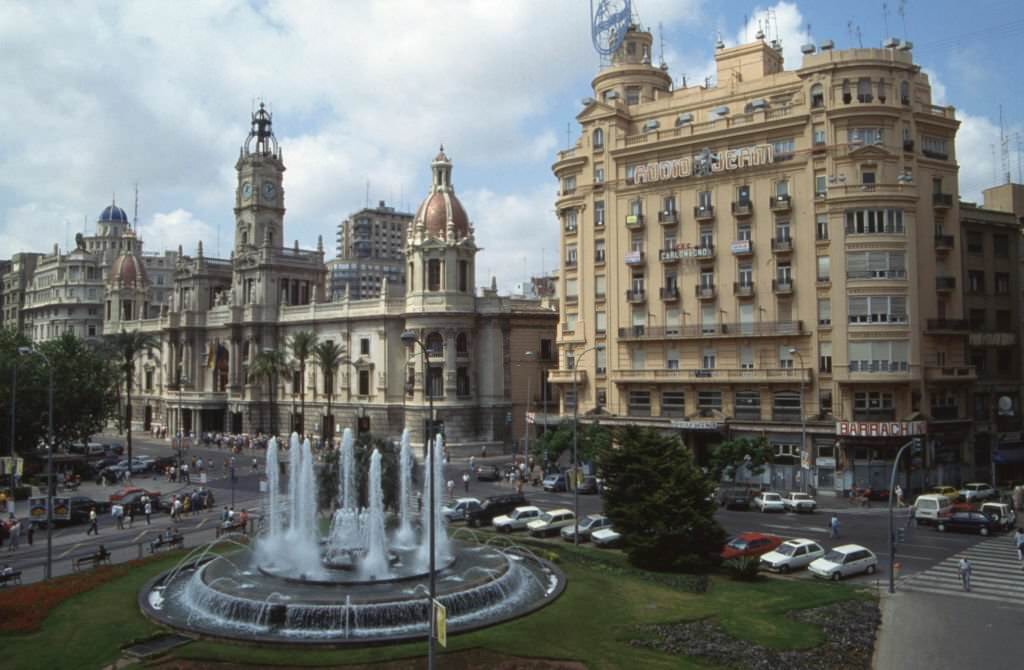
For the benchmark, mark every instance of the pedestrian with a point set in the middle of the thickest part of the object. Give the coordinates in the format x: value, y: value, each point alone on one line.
x: 833, y: 527
x: 899, y: 495
x: 224, y: 514
x: 31, y: 532
x: 472, y: 461
x: 911, y: 514
x: 465, y: 481
x: 483, y: 451
x: 15, y: 533
x: 451, y: 488
x: 131, y: 516
x: 148, y: 509
x: 115, y: 511
x: 1018, y: 541
x: 184, y: 474
x: 255, y: 465
x: 965, y: 573
x: 93, y: 522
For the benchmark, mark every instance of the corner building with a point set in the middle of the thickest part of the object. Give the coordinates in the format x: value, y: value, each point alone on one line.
x: 771, y: 256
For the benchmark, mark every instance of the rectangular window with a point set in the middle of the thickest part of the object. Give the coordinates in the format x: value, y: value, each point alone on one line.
x: 874, y: 221
x: 569, y: 397
x: 364, y: 346
x: 434, y: 275
x: 599, y: 285
x: 876, y: 265
x: 824, y: 311
x: 821, y: 227
x: 824, y: 268
x: 785, y: 357
x: 707, y: 237
x: 639, y: 403
x: 934, y: 147
x: 743, y: 232
x: 570, y: 323
x: 1000, y: 246
x: 975, y: 243
x: 547, y: 352
x: 599, y: 213
x: 601, y: 322
x: 599, y: 251
x: 673, y: 403
x: 462, y: 381
x: 748, y: 405
x: 632, y: 95
x: 820, y: 186
x: 825, y: 357
x: 745, y: 275
x: 879, y: 356
x: 877, y: 309
x: 976, y: 281
x: 746, y: 357
x: 364, y: 382
x: 569, y: 185
x: 672, y: 359
x: 569, y: 215
x: 571, y: 288
x: 598, y: 174
x: 704, y: 199
x: 601, y: 361
x: 570, y: 255
x: 819, y: 136
x: 708, y: 401
x: 708, y: 360
x: 1002, y: 283
x: 865, y: 135
x: 639, y: 359
x: 783, y: 149
x: 782, y: 230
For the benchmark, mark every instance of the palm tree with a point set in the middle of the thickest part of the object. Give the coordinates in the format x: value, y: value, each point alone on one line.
x: 125, y: 347
x: 328, y: 357
x: 301, y: 345
x: 266, y: 365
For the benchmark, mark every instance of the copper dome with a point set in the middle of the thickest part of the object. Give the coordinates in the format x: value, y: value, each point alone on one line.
x: 128, y: 270
x: 441, y: 207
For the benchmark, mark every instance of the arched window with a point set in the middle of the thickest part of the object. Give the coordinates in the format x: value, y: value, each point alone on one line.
x: 904, y: 92
x: 461, y: 344
x: 435, y: 344
x: 864, y: 90
x: 817, y: 96
x: 598, y: 138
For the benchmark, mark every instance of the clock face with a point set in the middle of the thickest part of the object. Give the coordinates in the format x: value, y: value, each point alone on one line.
x: 269, y: 190
x: 246, y: 190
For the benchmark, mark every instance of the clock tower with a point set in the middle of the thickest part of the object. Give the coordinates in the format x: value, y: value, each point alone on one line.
x: 259, y: 199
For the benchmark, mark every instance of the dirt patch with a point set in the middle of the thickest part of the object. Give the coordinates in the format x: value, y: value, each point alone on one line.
x: 470, y: 659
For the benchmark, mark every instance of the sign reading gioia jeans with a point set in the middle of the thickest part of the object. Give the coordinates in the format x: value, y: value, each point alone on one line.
x: 705, y: 163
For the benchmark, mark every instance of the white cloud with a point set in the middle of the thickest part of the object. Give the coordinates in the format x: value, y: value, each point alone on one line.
x: 181, y: 227
x: 938, y: 88
x: 788, y: 26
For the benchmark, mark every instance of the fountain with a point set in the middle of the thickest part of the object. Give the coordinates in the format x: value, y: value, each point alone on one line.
x: 361, y: 580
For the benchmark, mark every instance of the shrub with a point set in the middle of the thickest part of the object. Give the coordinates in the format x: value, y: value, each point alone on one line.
x: 742, y: 569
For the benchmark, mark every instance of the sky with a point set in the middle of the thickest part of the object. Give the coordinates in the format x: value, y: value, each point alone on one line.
x: 96, y: 97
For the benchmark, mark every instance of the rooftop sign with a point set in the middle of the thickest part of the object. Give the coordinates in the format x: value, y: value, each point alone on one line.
x: 704, y: 164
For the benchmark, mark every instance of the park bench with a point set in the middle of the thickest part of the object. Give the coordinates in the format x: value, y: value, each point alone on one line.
x: 9, y: 577
x: 161, y: 542
x: 236, y: 526
x: 94, y: 559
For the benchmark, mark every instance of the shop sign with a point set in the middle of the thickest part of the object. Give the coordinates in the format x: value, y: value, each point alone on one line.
x: 805, y: 458
x: 685, y: 250
x: 880, y: 428
x: 740, y: 247
x: 696, y: 425
x: 704, y: 164
x: 826, y: 462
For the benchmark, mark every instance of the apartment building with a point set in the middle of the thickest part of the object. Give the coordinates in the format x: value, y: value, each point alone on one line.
x: 371, y: 251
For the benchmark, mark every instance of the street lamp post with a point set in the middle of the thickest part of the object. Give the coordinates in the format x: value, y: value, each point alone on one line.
x: 409, y: 338
x: 182, y: 379
x: 24, y: 351
x: 14, y: 396
x: 892, y: 496
x: 575, y: 443
x: 529, y: 356
x: 803, y: 421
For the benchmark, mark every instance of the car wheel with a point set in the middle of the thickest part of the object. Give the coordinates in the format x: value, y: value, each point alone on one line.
x: 836, y: 576
x: 871, y: 570
x: 784, y: 569
x: 941, y: 528
x: 984, y: 531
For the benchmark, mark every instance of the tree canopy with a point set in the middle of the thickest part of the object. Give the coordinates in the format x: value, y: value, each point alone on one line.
x: 593, y: 438
x: 727, y: 457
x: 660, y: 501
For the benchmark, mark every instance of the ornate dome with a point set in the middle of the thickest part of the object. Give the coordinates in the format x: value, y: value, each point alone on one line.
x: 128, y: 270
x: 441, y: 210
x: 113, y: 213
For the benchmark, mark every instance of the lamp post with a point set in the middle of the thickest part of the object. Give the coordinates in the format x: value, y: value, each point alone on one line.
x: 409, y: 339
x: 575, y: 443
x: 182, y: 379
x: 26, y: 351
x: 892, y: 536
x: 529, y: 356
x: 14, y: 396
x: 803, y: 421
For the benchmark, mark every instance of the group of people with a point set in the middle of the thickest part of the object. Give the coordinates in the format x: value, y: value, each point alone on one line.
x: 229, y: 518
x: 191, y: 503
x: 11, y: 531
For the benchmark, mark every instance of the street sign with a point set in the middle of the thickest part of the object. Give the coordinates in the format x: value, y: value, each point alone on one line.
x: 531, y: 417
x: 440, y: 613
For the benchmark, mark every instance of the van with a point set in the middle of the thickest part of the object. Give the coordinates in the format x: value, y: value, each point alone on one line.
x: 931, y: 507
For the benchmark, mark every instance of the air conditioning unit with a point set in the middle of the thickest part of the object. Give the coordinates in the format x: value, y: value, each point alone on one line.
x: 892, y: 43
x: 651, y: 125
x: 760, y: 103
x: 807, y: 49
x: 827, y: 45
x: 721, y: 110
x: 907, y: 45
x: 587, y: 101
x: 683, y: 119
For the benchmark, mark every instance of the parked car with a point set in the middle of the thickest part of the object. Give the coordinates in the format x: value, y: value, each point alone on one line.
x: 792, y: 555
x: 968, y: 522
x: 138, y: 465
x: 81, y: 505
x: 460, y: 508
x: 978, y: 491
x: 550, y: 523
x: 734, y: 498
x: 588, y: 525
x: 769, y: 502
x: 493, y: 507
x: 104, y: 463
x: 750, y: 544
x: 799, y: 502
x: 849, y: 559
x: 1001, y: 513
x: 950, y: 492
x: 589, y: 485
x: 555, y: 482
x: 113, y: 449
x: 517, y: 520
x: 605, y: 537
x: 930, y: 507
x: 131, y: 498
x: 488, y: 473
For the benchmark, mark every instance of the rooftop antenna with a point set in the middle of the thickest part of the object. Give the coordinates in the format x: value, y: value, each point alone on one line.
x: 885, y: 19
x: 902, y: 11
x: 135, y: 218
x: 367, y: 205
x: 854, y: 30
x: 995, y: 170
x: 1004, y: 145
x: 1020, y: 160
x: 759, y: 35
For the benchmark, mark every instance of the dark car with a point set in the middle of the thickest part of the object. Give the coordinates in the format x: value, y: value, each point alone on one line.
x: 104, y: 463
x: 80, y: 506
x: 734, y: 498
x: 495, y: 506
x: 114, y: 449
x: 968, y: 522
x: 488, y: 473
x: 588, y: 485
x: 132, y: 499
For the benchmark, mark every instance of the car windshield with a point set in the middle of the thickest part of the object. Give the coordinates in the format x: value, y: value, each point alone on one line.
x: 546, y: 518
x: 801, y: 496
x: 771, y: 496
x: 835, y: 556
x: 589, y: 521
x: 786, y: 549
x: 738, y: 544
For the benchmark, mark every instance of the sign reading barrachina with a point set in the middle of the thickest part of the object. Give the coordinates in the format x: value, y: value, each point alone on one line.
x: 705, y: 163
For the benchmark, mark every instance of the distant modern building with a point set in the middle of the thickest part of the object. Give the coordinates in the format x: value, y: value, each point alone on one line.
x: 15, y: 283
x: 371, y: 250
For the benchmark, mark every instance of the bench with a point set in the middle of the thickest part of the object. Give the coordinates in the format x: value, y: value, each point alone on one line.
x: 235, y: 527
x: 94, y: 559
x: 159, y: 543
x: 6, y: 578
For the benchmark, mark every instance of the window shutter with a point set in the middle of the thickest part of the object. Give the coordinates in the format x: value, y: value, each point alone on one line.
x: 858, y: 307
x: 898, y: 307
x: 857, y: 263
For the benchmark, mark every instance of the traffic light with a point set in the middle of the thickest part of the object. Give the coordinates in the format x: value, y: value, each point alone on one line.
x: 901, y: 535
x: 917, y: 447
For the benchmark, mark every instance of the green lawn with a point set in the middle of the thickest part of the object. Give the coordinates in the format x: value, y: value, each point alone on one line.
x: 592, y: 622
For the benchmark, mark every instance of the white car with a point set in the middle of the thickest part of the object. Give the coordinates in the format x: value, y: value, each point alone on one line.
x: 551, y: 522
x: 849, y: 559
x: 769, y: 502
x: 606, y: 537
x: 459, y: 509
x: 588, y: 524
x: 517, y: 520
x: 976, y: 491
x: 799, y: 502
x: 792, y: 555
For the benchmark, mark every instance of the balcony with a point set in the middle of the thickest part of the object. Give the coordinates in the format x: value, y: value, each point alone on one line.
x: 705, y: 292
x: 670, y: 294
x: 874, y: 415
x: 742, y: 208
x: 570, y: 228
x: 668, y: 217
x: 567, y: 376
x: 875, y: 371
x: 743, y: 289
x: 908, y: 145
x: 782, y: 245
x: 599, y: 256
x: 945, y: 284
x: 782, y: 286
x: 950, y: 373
x: 943, y: 243
x: 942, y: 200
x: 713, y: 330
x: 714, y: 375
x: 634, y: 258
x: 704, y: 213
x: 780, y: 204
x: 570, y: 262
x: 635, y: 221
x: 937, y: 326
x: 636, y: 295
x: 741, y: 248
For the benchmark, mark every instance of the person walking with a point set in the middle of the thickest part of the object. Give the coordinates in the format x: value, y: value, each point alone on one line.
x: 93, y: 522
x: 472, y: 462
x: 451, y: 488
x: 15, y: 534
x: 1018, y: 541
x: 130, y: 514
x: 833, y: 527
x: 899, y: 496
x: 465, y: 481
x: 147, y: 508
x: 965, y: 573
x: 116, y: 511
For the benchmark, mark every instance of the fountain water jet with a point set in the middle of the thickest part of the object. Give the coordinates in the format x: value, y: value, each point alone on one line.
x: 405, y: 537
x: 375, y: 563
x: 347, y: 472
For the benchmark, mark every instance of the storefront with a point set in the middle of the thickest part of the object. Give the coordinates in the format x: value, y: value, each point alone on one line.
x: 866, y: 450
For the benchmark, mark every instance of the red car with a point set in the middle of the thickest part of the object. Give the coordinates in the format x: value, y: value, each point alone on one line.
x: 750, y: 544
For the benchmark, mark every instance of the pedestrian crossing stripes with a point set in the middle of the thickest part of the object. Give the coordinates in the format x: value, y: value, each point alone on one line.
x: 996, y: 573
